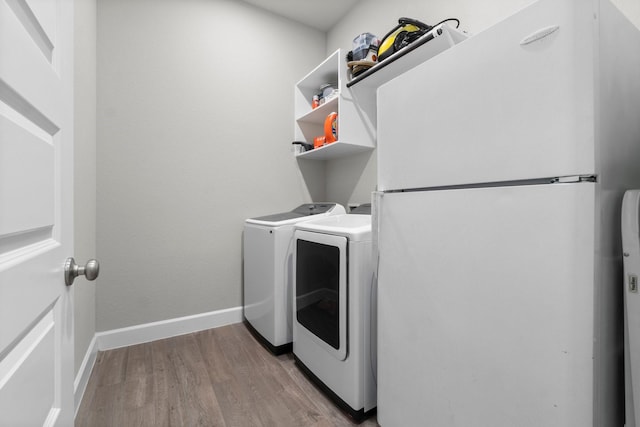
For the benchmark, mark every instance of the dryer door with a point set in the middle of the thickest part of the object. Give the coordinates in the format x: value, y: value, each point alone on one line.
x: 321, y: 290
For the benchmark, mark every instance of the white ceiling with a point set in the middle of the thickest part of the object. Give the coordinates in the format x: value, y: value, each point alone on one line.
x: 320, y: 14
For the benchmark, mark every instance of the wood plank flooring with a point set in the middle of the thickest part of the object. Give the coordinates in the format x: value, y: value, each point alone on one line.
x: 218, y: 377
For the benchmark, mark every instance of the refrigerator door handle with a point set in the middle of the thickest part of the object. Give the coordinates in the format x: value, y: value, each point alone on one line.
x: 539, y: 34
x: 376, y: 214
x: 574, y: 179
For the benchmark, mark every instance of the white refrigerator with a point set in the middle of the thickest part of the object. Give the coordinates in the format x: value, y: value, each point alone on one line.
x: 501, y: 168
x: 631, y: 255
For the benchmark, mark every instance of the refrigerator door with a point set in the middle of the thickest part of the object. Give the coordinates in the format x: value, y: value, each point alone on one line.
x: 515, y: 101
x: 631, y: 250
x: 486, y: 300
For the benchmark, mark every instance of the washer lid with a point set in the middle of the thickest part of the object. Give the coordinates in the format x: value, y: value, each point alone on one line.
x: 301, y: 213
x: 354, y: 226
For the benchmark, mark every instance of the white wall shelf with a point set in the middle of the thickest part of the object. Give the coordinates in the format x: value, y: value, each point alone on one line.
x: 441, y: 38
x: 318, y: 115
x: 356, y: 134
x: 333, y: 150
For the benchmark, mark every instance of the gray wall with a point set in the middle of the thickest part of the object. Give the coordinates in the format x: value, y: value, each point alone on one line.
x: 195, y: 107
x: 631, y: 8
x: 84, y: 171
x: 195, y: 116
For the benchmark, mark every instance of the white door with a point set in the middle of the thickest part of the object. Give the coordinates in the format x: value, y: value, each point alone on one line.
x: 36, y: 180
x: 486, y: 307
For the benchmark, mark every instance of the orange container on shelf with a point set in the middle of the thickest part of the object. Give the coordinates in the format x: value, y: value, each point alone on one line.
x: 331, y: 128
x: 318, y: 141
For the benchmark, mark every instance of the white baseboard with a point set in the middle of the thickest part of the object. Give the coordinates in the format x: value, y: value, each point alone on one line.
x: 82, y: 379
x: 139, y: 334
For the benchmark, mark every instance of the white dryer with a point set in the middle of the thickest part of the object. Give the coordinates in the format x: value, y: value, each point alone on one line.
x: 631, y: 257
x: 268, y: 280
x: 334, y: 325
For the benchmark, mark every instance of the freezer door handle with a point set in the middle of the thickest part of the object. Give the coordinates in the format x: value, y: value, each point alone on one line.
x: 573, y: 179
x: 539, y: 34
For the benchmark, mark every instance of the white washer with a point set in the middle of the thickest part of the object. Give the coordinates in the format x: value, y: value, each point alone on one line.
x: 334, y: 324
x: 268, y: 280
x: 631, y: 251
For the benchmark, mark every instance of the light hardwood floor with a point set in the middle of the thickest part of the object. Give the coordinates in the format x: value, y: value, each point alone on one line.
x: 218, y: 377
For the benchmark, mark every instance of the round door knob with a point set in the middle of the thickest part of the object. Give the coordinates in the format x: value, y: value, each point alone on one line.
x: 72, y: 270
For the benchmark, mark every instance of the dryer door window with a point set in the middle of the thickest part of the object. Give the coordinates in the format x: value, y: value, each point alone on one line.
x: 321, y: 284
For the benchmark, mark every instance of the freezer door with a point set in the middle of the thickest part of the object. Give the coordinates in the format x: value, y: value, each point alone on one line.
x: 486, y: 307
x: 513, y: 102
